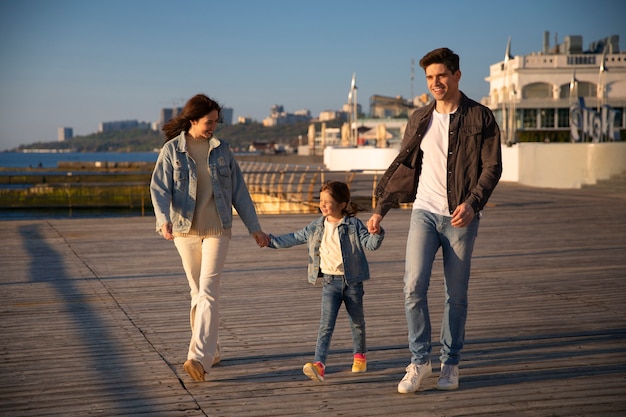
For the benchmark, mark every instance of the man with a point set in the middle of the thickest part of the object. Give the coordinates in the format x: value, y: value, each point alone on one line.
x: 449, y: 164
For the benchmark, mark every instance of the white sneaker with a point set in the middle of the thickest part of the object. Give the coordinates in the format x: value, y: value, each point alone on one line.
x: 449, y: 377
x: 414, y: 376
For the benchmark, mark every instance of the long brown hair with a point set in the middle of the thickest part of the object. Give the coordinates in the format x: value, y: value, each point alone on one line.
x: 340, y: 192
x: 196, y: 108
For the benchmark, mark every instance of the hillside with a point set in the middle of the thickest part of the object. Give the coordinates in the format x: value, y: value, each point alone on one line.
x: 140, y: 140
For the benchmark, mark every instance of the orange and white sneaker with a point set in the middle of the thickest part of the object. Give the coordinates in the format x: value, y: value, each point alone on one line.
x: 359, y: 364
x: 315, y: 371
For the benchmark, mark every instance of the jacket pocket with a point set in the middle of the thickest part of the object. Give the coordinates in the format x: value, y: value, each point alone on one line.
x: 181, y: 178
x: 471, y: 133
x: 223, y: 170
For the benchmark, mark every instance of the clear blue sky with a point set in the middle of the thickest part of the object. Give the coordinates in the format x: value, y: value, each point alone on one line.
x: 76, y: 63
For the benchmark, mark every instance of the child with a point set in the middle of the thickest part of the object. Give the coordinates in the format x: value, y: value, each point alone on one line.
x: 336, y: 242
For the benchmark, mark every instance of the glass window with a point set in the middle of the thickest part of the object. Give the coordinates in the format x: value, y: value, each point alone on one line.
x: 537, y: 90
x: 530, y: 118
x: 547, y: 118
x: 497, y: 113
x: 563, y: 116
x: 586, y: 89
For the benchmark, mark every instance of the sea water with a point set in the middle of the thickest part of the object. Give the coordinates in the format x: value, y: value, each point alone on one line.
x: 52, y: 159
x: 19, y: 160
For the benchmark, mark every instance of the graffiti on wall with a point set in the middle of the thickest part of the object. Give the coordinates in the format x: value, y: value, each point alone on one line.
x: 590, y: 125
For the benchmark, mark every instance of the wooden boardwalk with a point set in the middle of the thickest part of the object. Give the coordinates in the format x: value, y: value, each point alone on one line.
x: 94, y: 320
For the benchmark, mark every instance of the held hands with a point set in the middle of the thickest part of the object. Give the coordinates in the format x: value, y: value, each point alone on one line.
x: 261, y: 238
x: 373, y: 224
x: 462, y: 215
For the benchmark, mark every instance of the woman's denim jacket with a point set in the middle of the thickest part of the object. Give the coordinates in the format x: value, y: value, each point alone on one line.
x: 174, y: 183
x: 353, y: 238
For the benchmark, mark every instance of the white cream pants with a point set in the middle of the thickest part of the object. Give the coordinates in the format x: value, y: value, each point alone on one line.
x: 203, y: 261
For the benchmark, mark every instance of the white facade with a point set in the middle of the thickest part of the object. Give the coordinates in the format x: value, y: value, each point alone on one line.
x: 65, y: 133
x: 531, y: 93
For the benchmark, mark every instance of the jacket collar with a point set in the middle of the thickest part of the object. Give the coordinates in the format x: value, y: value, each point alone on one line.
x: 344, y: 220
x: 462, y: 109
x: 181, y: 143
x: 463, y: 105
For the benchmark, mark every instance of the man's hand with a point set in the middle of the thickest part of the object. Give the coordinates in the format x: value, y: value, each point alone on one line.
x: 462, y: 215
x: 373, y: 224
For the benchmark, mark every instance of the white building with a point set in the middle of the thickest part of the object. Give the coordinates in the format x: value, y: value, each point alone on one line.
x: 278, y: 116
x: 530, y: 94
x: 65, y: 133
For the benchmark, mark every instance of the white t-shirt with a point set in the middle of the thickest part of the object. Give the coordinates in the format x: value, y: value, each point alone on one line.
x: 432, y: 190
x: 331, y: 261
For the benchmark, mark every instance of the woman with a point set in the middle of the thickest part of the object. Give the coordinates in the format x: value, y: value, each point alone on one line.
x: 195, y: 184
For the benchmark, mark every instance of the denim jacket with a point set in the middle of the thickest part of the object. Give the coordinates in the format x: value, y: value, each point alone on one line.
x: 174, y: 183
x: 353, y: 237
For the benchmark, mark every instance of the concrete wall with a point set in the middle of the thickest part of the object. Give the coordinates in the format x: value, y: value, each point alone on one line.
x: 546, y: 165
x: 562, y: 165
x: 359, y: 159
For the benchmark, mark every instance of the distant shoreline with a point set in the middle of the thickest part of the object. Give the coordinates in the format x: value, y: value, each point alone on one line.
x: 34, y: 161
x: 283, y: 159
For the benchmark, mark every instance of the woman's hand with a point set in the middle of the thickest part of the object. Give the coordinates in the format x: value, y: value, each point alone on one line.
x: 166, y: 230
x: 262, y: 239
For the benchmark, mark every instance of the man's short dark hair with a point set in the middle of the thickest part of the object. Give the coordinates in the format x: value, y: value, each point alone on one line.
x: 441, y: 56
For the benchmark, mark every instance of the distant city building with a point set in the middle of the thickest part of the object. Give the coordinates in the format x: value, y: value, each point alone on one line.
x: 390, y: 107
x: 227, y: 115
x: 243, y: 120
x: 167, y: 114
x: 105, y: 127
x: 278, y: 116
x: 65, y: 133
x: 263, y: 147
x: 328, y: 115
x: 347, y: 108
x: 546, y: 91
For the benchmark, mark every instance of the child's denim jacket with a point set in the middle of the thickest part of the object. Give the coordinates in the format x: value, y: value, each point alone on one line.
x: 174, y: 183
x: 353, y: 238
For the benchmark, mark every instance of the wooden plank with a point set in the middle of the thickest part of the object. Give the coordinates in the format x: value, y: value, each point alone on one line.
x: 94, y: 319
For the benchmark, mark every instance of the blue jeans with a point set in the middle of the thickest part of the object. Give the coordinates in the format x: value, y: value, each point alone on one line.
x: 427, y: 233
x: 334, y: 292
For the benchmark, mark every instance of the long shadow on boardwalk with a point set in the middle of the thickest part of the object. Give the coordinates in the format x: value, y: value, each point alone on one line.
x: 84, y: 328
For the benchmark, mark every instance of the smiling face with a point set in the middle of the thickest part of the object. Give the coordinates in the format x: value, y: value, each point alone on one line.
x: 442, y: 83
x: 203, y: 128
x: 330, y: 208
